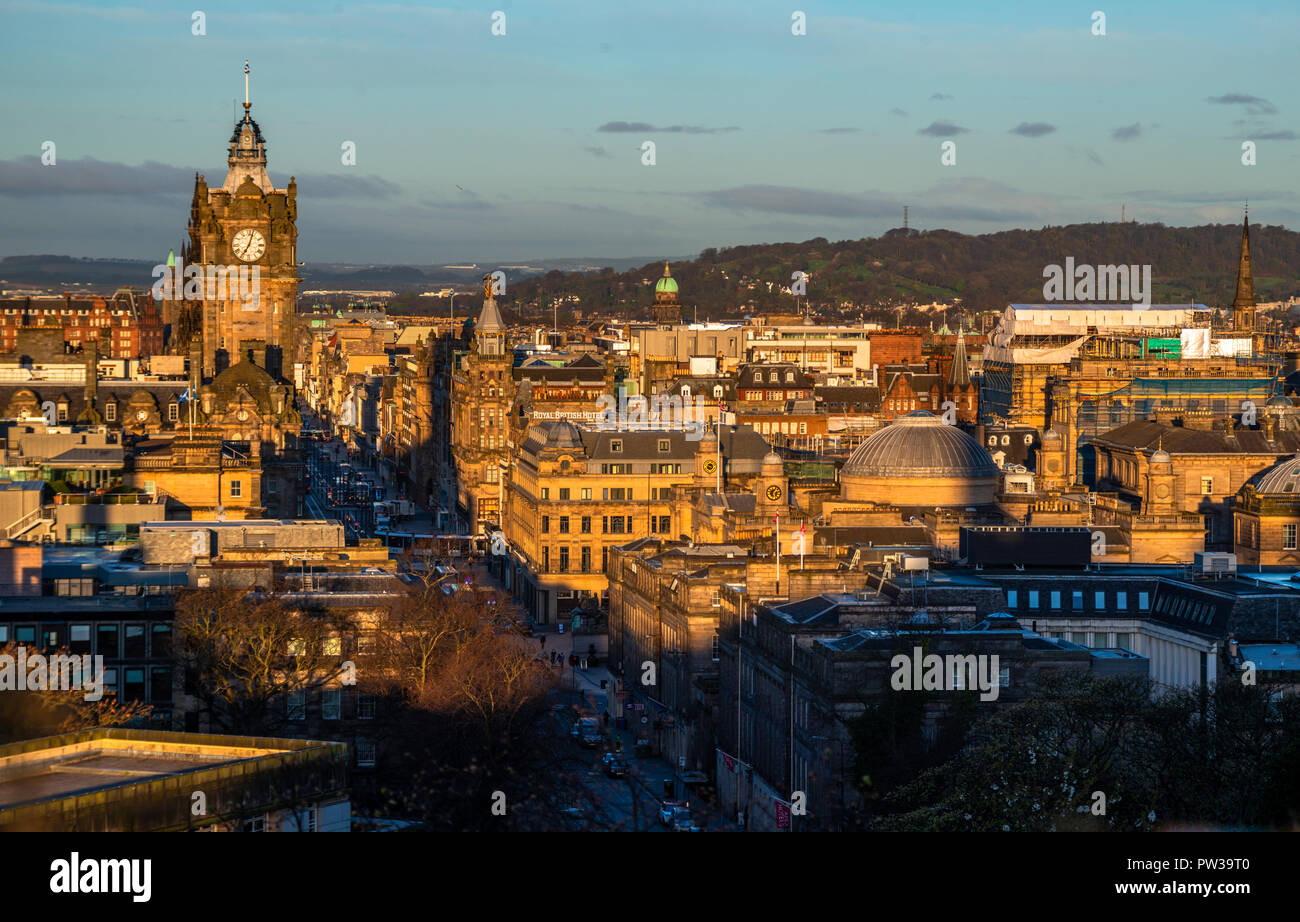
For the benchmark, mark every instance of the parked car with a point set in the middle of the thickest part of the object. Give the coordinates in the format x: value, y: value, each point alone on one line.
x: 616, y: 767
x: 589, y: 733
x: 683, y: 821
x: 668, y: 810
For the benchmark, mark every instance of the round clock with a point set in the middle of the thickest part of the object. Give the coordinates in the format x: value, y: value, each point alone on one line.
x: 242, y: 414
x: 142, y: 415
x: 710, y: 466
x: 249, y: 245
x: 773, y: 492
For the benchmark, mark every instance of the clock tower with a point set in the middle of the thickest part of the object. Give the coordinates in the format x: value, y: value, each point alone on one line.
x: 244, y: 233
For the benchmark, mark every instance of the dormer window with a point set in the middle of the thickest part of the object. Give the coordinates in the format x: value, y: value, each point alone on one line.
x: 616, y: 446
x: 664, y: 445
x: 789, y: 377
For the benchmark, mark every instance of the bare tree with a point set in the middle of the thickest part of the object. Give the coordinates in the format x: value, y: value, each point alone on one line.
x: 32, y: 713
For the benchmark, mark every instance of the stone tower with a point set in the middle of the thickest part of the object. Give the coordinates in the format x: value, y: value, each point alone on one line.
x: 244, y: 234
x: 1159, y: 498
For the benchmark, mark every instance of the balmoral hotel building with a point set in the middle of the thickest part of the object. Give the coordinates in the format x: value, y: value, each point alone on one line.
x: 574, y: 493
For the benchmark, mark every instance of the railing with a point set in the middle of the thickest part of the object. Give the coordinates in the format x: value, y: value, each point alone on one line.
x: 25, y: 523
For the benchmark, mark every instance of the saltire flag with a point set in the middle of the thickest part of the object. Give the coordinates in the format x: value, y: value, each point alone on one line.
x: 729, y: 762
x: 782, y: 813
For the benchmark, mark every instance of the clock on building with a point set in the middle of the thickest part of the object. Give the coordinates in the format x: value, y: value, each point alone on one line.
x: 242, y: 415
x: 773, y: 493
x: 710, y: 466
x: 142, y: 415
x: 249, y: 245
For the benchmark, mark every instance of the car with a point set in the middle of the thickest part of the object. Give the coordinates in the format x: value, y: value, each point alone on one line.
x: 589, y: 735
x: 616, y: 767
x: 668, y: 810
x: 684, y: 822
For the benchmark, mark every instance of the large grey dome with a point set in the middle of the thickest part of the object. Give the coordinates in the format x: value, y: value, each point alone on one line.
x: 1282, y: 477
x: 920, y: 445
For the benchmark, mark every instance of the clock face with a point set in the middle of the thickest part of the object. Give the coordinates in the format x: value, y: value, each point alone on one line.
x: 243, y: 415
x: 249, y: 245
x: 710, y: 466
x: 773, y: 492
x: 142, y: 415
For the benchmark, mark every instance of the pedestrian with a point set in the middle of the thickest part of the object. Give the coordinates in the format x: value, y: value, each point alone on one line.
x: 543, y: 641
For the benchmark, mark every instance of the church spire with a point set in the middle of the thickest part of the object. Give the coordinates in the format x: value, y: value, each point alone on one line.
x: 959, y: 375
x: 1243, y: 303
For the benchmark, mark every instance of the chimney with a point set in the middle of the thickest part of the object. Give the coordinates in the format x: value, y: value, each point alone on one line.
x: 1200, y: 420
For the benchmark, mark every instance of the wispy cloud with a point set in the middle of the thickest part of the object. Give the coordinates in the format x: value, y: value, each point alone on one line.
x: 629, y: 127
x: 899, y: 112
x: 940, y: 97
x: 1277, y: 136
x: 1033, y: 129
x: 1127, y: 132
x: 597, y: 151
x: 838, y: 130
x: 942, y: 129
x: 1254, y: 104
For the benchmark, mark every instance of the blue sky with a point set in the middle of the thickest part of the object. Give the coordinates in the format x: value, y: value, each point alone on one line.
x: 760, y: 135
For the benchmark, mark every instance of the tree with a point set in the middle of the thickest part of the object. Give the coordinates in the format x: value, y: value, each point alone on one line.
x: 32, y: 713
x: 244, y: 652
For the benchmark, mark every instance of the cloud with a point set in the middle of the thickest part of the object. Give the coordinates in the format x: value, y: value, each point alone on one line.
x: 940, y: 97
x: 838, y: 130
x: 1032, y: 129
x: 598, y: 151
x: 1127, y: 132
x: 1092, y: 156
x: 1277, y: 136
x: 629, y: 127
x: 899, y: 112
x: 942, y: 129
x: 25, y: 177
x: 965, y: 200
x: 1254, y: 104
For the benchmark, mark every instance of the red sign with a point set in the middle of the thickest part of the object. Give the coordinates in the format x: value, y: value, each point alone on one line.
x: 782, y: 814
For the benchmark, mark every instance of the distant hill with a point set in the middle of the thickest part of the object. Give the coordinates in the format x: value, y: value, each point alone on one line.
x: 901, y: 267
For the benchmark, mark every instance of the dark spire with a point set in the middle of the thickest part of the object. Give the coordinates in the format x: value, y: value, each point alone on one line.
x: 1243, y: 303
x: 959, y: 375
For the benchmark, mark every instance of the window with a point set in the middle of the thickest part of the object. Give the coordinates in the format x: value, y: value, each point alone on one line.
x: 546, y: 492
x: 564, y: 493
x: 586, y: 559
x: 256, y: 824
x: 236, y: 489
x: 63, y: 412
x: 958, y: 675
x: 564, y: 524
x: 1056, y: 600
x: 665, y: 524
x: 78, y: 639
x: 546, y: 560
x: 1099, y: 601
x: 173, y: 412
x: 133, y: 689
x: 161, y: 644
x: 1033, y: 598
x: 1288, y: 537
x: 1123, y: 640
x: 1121, y: 600
x: 1076, y: 599
x: 616, y: 446
x: 303, y: 820
x: 296, y: 705
x: 586, y: 492
x: 546, y: 524
x: 717, y: 649
x: 1207, y: 486
x: 1013, y: 598
x: 331, y: 703
x: 365, y: 752
x: 134, y: 646
x: 564, y: 559
x: 1100, y: 639
x: 664, y: 445
x: 365, y: 707
x: 1079, y: 637
x: 160, y: 685
x: 1004, y: 677
x: 110, y: 412
x: 604, y: 560
x: 107, y: 641
x: 1144, y: 601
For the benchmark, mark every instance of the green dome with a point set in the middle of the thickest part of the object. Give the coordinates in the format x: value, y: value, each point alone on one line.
x: 666, y: 285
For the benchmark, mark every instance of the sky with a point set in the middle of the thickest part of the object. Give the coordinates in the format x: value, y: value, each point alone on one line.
x: 529, y: 145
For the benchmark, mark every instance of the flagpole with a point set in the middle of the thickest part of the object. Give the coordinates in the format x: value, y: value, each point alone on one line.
x: 777, y: 519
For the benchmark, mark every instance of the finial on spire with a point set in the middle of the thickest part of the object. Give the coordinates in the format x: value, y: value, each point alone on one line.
x: 247, y: 105
x: 667, y: 274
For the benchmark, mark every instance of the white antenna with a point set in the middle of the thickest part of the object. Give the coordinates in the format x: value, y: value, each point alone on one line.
x: 246, y: 102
